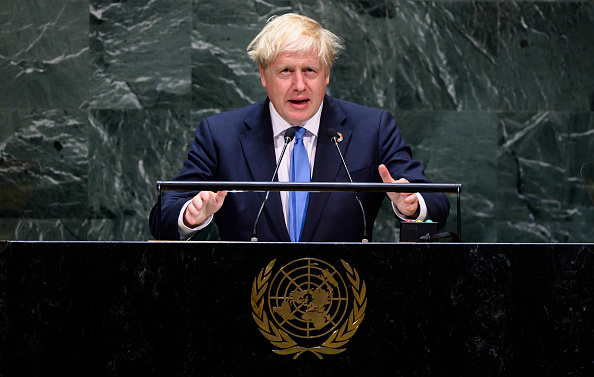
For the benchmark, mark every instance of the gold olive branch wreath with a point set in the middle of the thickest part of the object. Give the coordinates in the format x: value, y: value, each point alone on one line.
x: 282, y: 340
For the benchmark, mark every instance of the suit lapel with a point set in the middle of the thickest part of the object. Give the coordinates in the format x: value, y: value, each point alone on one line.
x: 327, y: 163
x: 258, y: 149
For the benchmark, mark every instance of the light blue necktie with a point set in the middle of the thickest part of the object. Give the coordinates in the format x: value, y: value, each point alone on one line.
x: 299, y: 172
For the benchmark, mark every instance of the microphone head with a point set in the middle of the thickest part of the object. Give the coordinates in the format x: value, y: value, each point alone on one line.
x: 289, y: 134
x: 332, y: 134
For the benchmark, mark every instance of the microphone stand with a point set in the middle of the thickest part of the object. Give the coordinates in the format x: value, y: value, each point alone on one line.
x: 332, y: 135
x: 289, y: 135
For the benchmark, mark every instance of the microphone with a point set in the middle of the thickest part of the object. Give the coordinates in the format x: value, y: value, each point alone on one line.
x: 289, y: 136
x: 333, y: 136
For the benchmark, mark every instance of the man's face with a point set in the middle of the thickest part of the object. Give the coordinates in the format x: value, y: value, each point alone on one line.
x: 296, y: 85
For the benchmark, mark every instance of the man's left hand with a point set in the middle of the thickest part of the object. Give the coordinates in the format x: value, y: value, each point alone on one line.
x: 407, y: 202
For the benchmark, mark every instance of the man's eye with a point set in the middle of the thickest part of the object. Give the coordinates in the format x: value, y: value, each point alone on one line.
x: 309, y: 72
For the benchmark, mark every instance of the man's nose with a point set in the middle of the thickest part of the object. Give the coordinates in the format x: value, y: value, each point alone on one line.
x: 298, y: 81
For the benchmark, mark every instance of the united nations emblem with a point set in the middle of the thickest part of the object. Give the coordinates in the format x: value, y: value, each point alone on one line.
x: 306, y: 306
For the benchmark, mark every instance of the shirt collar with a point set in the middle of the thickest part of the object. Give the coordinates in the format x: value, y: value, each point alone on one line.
x: 279, y: 125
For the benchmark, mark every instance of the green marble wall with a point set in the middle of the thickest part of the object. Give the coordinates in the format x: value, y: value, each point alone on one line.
x: 496, y: 95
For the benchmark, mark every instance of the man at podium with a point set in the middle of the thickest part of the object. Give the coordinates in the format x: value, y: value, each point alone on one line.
x: 295, y: 54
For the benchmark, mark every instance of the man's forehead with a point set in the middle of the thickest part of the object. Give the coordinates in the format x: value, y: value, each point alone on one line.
x: 310, y: 57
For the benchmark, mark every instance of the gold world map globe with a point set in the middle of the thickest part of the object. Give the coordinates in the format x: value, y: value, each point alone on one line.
x: 308, y: 298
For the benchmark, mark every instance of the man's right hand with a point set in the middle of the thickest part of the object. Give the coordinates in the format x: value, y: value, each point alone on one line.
x: 203, y: 205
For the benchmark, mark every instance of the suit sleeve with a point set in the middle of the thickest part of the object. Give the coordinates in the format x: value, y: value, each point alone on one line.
x: 200, y: 165
x: 397, y: 156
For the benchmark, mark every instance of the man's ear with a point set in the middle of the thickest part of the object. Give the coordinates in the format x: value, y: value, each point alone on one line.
x: 262, y: 78
x: 328, y: 78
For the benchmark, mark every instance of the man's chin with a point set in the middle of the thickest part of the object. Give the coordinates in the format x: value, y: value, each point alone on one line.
x: 297, y: 121
x: 296, y: 118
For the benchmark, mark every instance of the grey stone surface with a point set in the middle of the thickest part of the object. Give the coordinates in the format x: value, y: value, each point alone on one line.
x: 541, y: 194
x: 459, y: 147
x: 547, y: 56
x: 57, y: 139
x: 496, y: 95
x: 140, y: 54
x: 129, y: 150
x: 43, y: 54
x: 447, y: 55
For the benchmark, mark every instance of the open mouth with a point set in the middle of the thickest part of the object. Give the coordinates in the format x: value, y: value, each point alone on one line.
x: 299, y: 102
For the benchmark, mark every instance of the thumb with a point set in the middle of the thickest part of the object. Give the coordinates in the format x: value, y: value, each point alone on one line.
x: 219, y: 198
x: 387, y: 178
x: 385, y: 174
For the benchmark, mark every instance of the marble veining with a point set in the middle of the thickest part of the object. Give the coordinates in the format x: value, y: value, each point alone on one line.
x: 496, y: 95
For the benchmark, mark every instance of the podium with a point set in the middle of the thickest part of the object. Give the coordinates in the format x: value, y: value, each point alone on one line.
x: 186, y: 309
x: 242, y: 308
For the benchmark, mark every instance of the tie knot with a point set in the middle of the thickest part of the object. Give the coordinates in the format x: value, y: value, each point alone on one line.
x: 299, y: 133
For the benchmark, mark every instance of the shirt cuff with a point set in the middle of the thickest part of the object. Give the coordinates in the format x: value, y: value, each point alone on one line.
x: 422, y: 210
x: 185, y: 232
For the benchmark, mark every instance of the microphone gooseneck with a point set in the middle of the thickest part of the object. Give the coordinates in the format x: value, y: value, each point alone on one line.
x: 333, y: 136
x: 289, y: 136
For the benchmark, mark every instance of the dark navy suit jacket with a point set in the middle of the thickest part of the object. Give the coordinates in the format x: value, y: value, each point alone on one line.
x: 238, y: 146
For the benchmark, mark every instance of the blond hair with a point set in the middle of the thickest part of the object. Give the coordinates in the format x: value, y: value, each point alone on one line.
x: 293, y: 32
